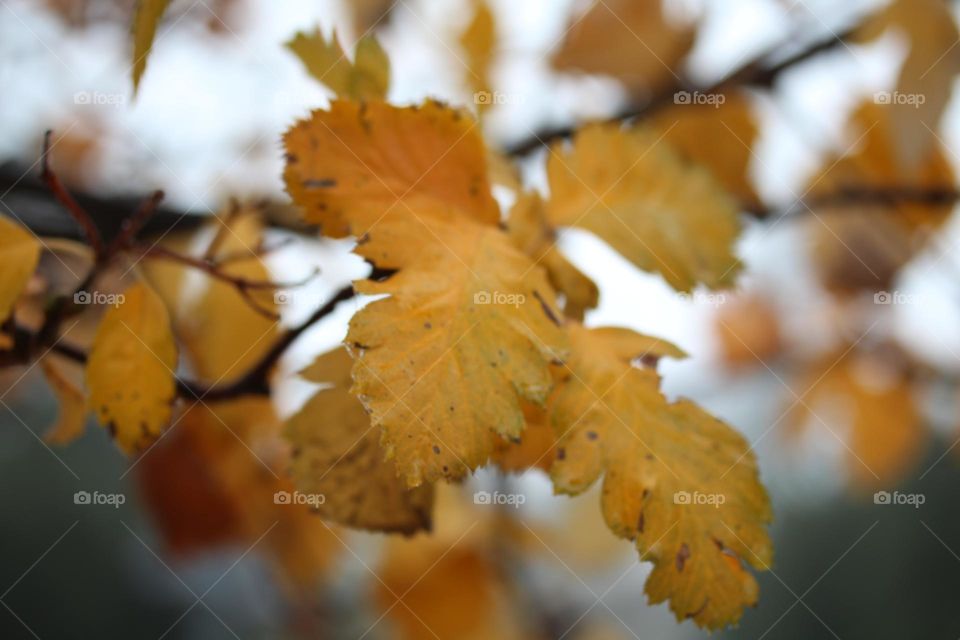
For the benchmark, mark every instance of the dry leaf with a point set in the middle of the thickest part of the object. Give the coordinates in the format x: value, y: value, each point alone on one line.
x: 336, y: 453
x: 867, y: 400
x: 925, y: 82
x: 629, y: 188
x: 864, y: 246
x: 448, y: 584
x: 467, y: 333
x: 146, y: 17
x: 355, y: 165
x: 718, y: 136
x: 19, y: 254
x: 630, y: 40
x: 366, y: 78
x: 72, y: 412
x: 534, y: 449
x: 130, y: 369
x: 531, y: 233
x: 215, y: 480
x: 677, y: 480
x: 478, y: 42
x: 748, y: 330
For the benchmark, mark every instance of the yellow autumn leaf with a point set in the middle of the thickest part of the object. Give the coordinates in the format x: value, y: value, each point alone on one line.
x: 925, y: 81
x: 448, y: 584
x: 218, y: 478
x: 867, y: 401
x: 534, y: 449
x: 130, y: 368
x: 719, y: 137
x: 336, y: 453
x: 531, y: 233
x: 222, y: 333
x: 19, y: 253
x: 630, y: 188
x: 478, y: 41
x: 355, y: 165
x: 679, y: 482
x: 72, y: 411
x: 467, y: 334
x: 369, y: 14
x: 630, y: 40
x: 863, y: 246
x: 366, y: 78
x: 146, y: 17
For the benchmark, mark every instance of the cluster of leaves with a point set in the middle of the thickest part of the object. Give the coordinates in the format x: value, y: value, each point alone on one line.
x: 476, y: 350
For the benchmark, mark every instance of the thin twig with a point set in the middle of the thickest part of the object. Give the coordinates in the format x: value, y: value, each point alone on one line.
x: 73, y: 207
x: 762, y: 71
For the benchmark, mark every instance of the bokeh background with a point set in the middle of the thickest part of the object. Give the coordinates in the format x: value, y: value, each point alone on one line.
x: 219, y: 91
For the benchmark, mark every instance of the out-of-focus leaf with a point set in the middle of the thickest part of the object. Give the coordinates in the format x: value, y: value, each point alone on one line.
x: 146, y: 17
x: 631, y: 40
x: 19, y: 253
x: 337, y: 454
x: 532, y: 233
x: 630, y: 188
x: 366, y: 78
x: 130, y: 368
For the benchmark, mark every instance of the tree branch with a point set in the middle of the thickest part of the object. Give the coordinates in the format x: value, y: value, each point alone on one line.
x: 762, y: 71
x: 26, y: 344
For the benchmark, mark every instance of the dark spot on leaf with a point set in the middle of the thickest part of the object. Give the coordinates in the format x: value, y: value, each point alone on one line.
x: 323, y: 183
x: 682, y: 556
x: 436, y: 449
x: 561, y: 453
x: 592, y: 435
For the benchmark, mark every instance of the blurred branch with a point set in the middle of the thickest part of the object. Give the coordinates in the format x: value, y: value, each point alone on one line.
x: 762, y: 71
x: 28, y: 344
x: 852, y: 195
